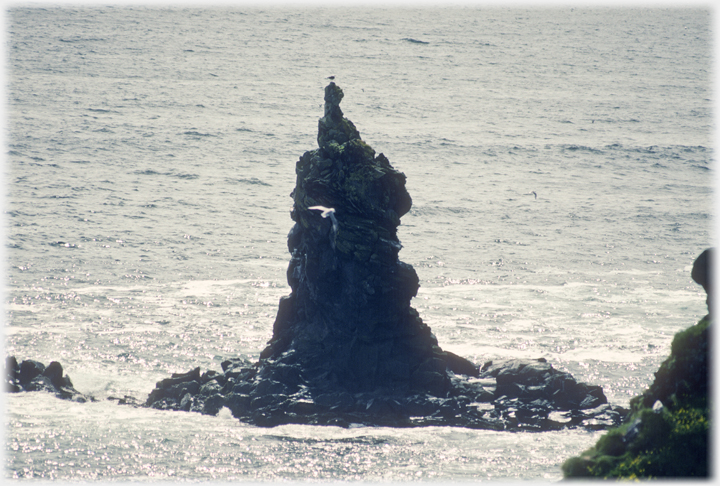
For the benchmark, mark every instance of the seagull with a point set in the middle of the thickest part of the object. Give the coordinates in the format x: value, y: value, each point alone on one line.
x: 330, y: 78
x: 533, y: 192
x: 325, y: 213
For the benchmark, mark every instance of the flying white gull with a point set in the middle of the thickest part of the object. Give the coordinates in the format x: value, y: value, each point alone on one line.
x: 325, y: 213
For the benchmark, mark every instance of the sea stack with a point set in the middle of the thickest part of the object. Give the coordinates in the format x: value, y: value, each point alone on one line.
x: 347, y: 347
x: 348, y: 322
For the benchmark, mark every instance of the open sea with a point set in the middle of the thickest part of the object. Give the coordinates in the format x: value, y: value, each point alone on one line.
x: 151, y: 153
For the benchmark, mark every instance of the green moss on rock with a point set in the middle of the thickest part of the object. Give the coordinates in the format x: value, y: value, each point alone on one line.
x: 666, y: 435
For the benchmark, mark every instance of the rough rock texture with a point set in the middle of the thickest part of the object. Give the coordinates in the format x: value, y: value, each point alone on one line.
x: 348, y: 324
x: 702, y: 274
x: 30, y: 375
x: 666, y: 433
x: 542, y: 399
x: 347, y: 347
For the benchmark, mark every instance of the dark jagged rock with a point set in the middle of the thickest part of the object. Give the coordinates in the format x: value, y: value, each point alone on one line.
x: 347, y: 347
x: 348, y: 325
x: 31, y: 375
x: 538, y: 380
x: 471, y: 402
x: 702, y: 274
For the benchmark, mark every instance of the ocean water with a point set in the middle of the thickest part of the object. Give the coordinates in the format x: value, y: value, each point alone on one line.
x: 150, y: 158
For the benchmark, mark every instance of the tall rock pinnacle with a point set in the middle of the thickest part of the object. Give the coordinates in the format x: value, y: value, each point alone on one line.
x: 348, y: 320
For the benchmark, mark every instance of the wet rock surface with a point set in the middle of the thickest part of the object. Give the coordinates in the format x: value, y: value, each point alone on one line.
x: 541, y: 399
x: 31, y: 375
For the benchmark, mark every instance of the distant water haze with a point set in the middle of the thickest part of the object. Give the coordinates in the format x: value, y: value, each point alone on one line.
x: 559, y: 162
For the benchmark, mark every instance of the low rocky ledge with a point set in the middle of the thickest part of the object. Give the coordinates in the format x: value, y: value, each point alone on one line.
x: 512, y: 395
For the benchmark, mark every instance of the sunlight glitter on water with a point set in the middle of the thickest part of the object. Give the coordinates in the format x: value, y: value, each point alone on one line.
x: 116, y: 442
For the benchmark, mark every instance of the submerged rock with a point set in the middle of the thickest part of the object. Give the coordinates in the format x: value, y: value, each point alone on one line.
x: 31, y: 375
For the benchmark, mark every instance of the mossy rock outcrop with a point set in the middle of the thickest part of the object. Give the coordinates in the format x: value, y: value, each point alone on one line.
x: 667, y: 432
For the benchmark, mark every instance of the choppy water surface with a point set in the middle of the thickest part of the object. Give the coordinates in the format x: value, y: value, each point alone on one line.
x: 151, y: 155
